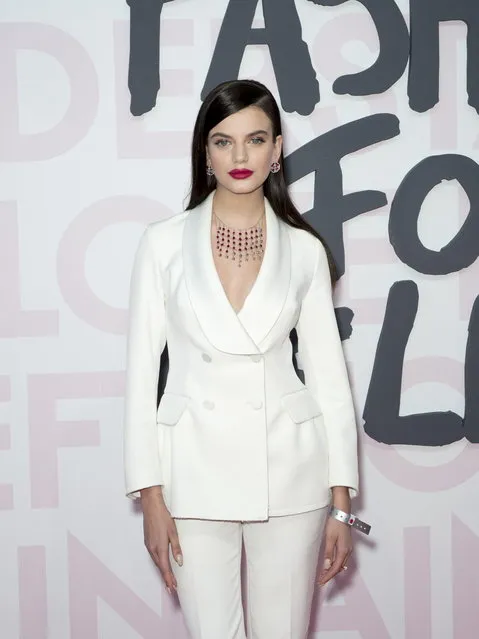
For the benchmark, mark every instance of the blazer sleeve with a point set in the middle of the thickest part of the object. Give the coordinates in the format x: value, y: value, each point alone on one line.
x: 322, y: 361
x: 146, y: 339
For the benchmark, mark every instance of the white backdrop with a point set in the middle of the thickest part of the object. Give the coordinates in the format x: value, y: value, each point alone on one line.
x: 80, y: 177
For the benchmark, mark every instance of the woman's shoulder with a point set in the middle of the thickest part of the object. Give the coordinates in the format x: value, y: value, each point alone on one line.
x: 172, y: 221
x: 306, y: 243
x: 167, y: 228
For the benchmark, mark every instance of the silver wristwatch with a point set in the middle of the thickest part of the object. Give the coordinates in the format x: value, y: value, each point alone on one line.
x: 350, y: 520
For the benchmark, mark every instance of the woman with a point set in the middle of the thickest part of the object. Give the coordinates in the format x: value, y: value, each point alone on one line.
x: 239, y: 449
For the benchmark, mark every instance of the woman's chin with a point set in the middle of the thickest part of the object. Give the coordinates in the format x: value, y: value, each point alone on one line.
x: 241, y: 187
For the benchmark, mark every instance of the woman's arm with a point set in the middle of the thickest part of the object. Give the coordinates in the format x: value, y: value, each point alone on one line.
x: 322, y: 361
x: 146, y: 340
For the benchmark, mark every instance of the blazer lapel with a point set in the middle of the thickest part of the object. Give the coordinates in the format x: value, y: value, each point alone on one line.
x: 266, y: 299
x: 226, y: 330
x: 216, y: 316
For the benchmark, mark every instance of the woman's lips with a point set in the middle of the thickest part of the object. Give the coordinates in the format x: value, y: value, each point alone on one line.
x: 240, y: 174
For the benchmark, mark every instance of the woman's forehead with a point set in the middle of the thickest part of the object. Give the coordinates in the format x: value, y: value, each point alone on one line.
x: 244, y: 122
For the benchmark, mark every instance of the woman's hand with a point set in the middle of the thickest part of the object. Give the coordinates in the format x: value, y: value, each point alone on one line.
x: 337, y: 550
x: 159, y: 532
x: 339, y: 544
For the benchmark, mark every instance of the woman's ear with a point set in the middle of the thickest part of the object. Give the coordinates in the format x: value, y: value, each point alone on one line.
x: 278, y: 145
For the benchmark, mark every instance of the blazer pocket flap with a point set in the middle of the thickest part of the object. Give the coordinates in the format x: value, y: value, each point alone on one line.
x: 301, y: 405
x: 171, y: 408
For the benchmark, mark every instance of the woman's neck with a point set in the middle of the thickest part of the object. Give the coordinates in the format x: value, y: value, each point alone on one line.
x: 238, y: 210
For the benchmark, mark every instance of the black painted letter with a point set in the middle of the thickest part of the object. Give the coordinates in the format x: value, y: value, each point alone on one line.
x: 393, y: 50
x: 423, y: 87
x: 381, y: 409
x: 463, y: 249
x: 295, y: 76
x: 331, y: 208
x: 144, y: 65
x: 471, y: 378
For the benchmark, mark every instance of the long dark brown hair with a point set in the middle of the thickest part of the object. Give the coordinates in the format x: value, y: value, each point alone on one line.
x: 224, y: 100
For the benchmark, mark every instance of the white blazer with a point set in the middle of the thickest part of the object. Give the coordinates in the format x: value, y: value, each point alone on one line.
x: 237, y: 436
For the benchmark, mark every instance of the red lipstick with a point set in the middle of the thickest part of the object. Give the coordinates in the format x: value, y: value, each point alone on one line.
x: 240, y: 174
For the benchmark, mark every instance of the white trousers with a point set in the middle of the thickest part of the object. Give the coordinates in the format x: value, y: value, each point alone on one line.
x: 281, y: 564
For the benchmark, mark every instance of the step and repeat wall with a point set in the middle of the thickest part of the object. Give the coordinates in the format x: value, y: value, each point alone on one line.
x: 380, y: 106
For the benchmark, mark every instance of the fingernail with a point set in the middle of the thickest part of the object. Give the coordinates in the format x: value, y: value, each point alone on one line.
x: 168, y: 590
x: 327, y: 564
x: 179, y: 560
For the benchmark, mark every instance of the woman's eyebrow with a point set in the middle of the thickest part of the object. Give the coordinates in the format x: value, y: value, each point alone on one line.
x: 225, y: 135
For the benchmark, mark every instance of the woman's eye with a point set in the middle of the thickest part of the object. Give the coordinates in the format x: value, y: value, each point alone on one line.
x: 223, y: 143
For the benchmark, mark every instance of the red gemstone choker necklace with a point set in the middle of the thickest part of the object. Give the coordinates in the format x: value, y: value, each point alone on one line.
x: 239, y: 245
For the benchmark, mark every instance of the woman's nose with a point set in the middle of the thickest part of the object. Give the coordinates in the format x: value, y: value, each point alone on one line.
x: 239, y: 153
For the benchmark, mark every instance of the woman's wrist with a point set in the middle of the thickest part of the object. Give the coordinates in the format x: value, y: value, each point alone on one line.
x: 152, y: 494
x: 341, y: 498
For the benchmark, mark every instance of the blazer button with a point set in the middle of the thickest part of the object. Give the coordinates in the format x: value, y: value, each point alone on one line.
x: 206, y: 357
x: 256, y: 358
x: 208, y: 404
x: 256, y: 404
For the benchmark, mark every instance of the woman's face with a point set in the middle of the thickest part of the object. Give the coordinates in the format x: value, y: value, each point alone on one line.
x: 243, y: 140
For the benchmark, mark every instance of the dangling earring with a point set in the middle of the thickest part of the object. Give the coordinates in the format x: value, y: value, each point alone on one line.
x: 275, y: 166
x: 209, y: 170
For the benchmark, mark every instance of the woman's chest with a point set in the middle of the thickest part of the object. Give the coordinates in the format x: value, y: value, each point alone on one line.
x: 236, y: 280
x: 239, y: 309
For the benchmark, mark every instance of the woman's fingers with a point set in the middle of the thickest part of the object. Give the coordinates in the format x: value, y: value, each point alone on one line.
x: 338, y: 548
x: 164, y: 563
x: 175, y: 545
x: 159, y: 553
x: 345, y: 562
x: 342, y: 554
x: 160, y: 532
x: 328, y: 553
x: 165, y: 569
x: 329, y: 556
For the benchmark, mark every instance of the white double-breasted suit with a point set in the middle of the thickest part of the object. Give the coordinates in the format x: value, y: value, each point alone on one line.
x: 236, y: 436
